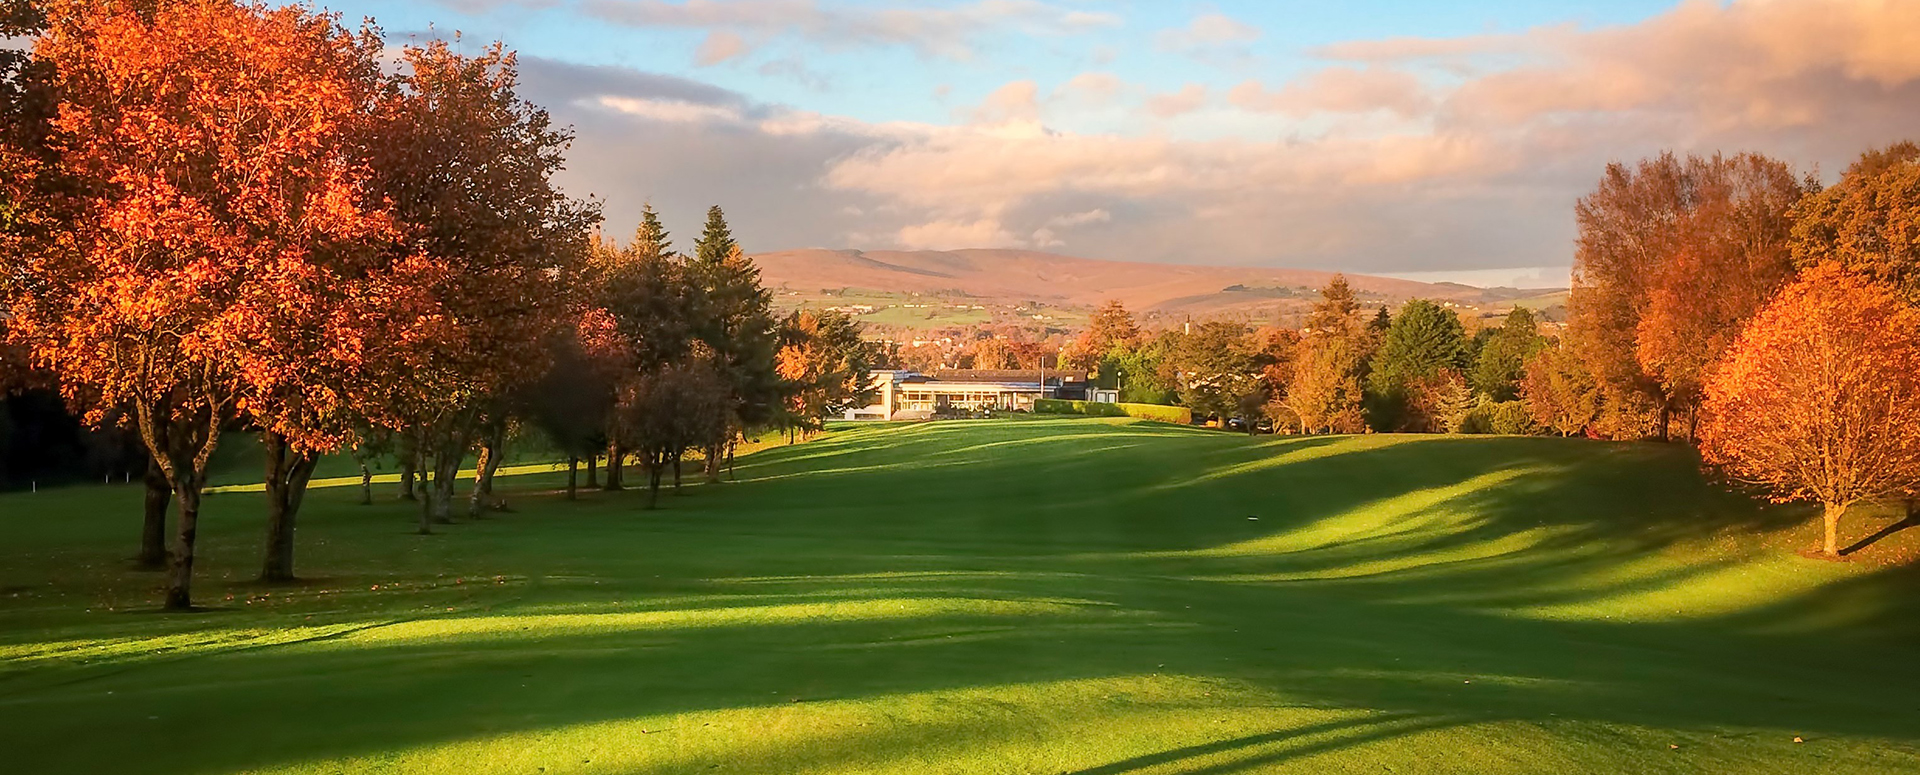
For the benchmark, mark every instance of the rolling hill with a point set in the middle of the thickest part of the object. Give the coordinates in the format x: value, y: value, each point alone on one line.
x: 1019, y: 277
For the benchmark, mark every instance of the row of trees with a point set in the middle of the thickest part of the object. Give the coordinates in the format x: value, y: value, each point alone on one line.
x: 219, y: 215
x: 1345, y: 372
x: 1729, y: 302
x: 1721, y: 300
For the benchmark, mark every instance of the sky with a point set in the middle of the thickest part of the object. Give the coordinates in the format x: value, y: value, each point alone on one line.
x: 1405, y: 137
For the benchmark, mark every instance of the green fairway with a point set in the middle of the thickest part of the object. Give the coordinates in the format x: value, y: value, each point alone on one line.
x: 1087, y: 596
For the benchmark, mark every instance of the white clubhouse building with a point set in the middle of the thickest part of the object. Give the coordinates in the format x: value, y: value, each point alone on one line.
x: 911, y: 395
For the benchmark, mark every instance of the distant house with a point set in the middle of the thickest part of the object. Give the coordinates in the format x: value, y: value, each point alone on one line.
x: 911, y: 395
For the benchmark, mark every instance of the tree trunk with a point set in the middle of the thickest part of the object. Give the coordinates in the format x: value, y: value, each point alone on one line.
x: 654, y: 470
x: 446, y: 470
x: 1666, y: 420
x: 676, y: 473
x: 731, y: 476
x: 616, y: 461
x: 426, y: 505
x: 288, y: 471
x: 481, y: 498
x: 153, y: 533
x: 573, y: 477
x: 1832, y: 518
x: 366, y: 484
x: 180, y: 569
x: 712, y: 463
x: 593, y: 471
x: 406, y: 478
x: 181, y: 447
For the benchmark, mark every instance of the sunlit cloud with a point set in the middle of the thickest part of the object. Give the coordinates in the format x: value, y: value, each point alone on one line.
x: 1398, y: 154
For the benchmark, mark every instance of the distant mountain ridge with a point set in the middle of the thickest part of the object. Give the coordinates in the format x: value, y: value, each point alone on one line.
x: 1024, y: 275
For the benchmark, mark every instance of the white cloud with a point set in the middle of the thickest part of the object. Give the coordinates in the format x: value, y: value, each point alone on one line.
x: 952, y: 235
x: 1017, y: 101
x: 949, y: 32
x: 1208, y: 30
x: 1189, y: 98
x: 671, y: 111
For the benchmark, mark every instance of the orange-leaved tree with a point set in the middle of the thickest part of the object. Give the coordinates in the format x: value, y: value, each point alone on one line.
x: 1670, y: 253
x: 214, y: 142
x: 1819, y: 399
x: 825, y: 365
x: 467, y: 166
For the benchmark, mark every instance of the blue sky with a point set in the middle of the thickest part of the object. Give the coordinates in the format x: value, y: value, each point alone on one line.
x: 1383, y: 136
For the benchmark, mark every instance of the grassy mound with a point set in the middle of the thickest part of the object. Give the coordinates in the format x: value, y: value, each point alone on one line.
x: 1063, y: 595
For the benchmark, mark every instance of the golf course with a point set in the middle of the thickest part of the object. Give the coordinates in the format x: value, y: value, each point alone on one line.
x: 1093, y: 596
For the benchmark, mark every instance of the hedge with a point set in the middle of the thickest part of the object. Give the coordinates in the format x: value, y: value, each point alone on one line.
x: 1156, y: 412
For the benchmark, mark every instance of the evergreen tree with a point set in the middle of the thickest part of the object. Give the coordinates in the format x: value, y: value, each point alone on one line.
x: 1336, y: 308
x: 1380, y: 323
x: 1424, y: 339
x: 650, y: 239
x: 716, y: 240
x: 733, y: 316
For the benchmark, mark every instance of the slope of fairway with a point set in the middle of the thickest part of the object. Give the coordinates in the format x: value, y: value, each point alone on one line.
x: 1041, y: 596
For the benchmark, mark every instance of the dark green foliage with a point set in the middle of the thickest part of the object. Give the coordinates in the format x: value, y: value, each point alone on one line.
x: 1140, y: 373
x: 1219, y: 372
x: 1157, y: 412
x: 1424, y: 339
x: 1501, y: 363
x: 732, y: 315
x: 1380, y: 323
x: 1502, y: 418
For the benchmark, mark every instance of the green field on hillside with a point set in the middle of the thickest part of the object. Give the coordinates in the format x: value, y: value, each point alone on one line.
x: 1088, y: 596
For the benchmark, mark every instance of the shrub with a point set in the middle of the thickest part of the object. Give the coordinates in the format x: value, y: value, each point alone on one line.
x: 1502, y: 418
x: 1156, y: 412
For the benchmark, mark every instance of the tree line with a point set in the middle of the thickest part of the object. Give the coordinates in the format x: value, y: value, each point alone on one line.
x: 1724, y: 301
x: 219, y: 216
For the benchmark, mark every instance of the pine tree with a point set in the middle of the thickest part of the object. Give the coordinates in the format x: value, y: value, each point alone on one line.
x: 1424, y: 340
x: 1336, y: 308
x: 650, y: 239
x: 733, y: 316
x: 716, y: 241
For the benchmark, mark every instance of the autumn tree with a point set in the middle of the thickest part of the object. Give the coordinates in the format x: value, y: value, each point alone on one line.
x: 1326, y: 392
x: 1219, y: 372
x: 1869, y: 222
x: 468, y: 168
x: 226, y: 261
x: 992, y: 353
x: 645, y: 289
x: 673, y: 409
x: 1422, y: 341
x: 572, y: 402
x: 1560, y: 393
x: 1112, y: 327
x: 826, y: 365
x: 1819, y: 399
x: 1672, y: 257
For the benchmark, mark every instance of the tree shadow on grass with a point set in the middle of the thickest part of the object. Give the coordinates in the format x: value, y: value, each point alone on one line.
x: 1120, y: 578
x: 1889, y: 530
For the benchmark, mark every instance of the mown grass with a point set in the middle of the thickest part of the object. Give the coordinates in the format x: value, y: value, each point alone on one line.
x: 1082, y: 596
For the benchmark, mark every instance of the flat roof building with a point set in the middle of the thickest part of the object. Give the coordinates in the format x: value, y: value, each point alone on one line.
x: 911, y: 395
